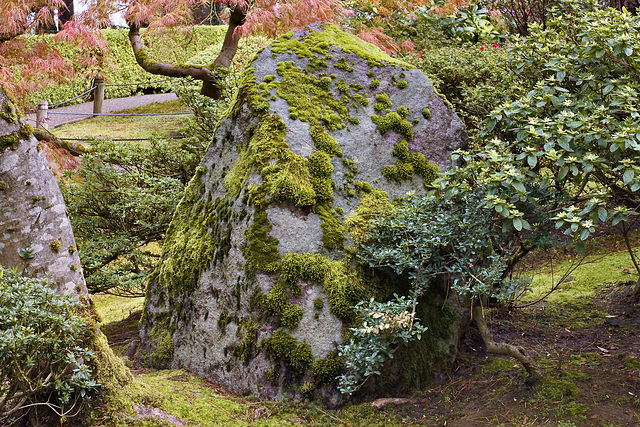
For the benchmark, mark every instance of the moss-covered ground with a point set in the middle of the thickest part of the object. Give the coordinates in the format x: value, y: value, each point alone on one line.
x: 129, y: 126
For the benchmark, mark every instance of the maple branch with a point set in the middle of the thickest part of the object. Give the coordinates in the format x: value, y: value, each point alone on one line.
x: 211, y: 80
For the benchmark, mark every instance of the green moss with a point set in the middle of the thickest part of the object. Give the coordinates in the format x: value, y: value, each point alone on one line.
x: 327, y: 369
x: 224, y: 319
x: 632, y: 363
x: 163, y: 353
x: 402, y: 84
x: 10, y: 140
x: 246, y: 349
x: 343, y: 64
x: 142, y: 56
x: 9, y: 113
x: 399, y: 172
x: 196, y: 232
x: 55, y: 246
x: 332, y: 228
x: 401, y: 151
x: 426, y: 169
x: 36, y: 199
x: 276, y: 304
x: 291, y: 181
x: 261, y: 250
x: 408, y: 164
x: 382, y: 102
x: 342, y: 87
x: 362, y: 186
x: 2, y: 186
x: 318, y: 304
x: 375, y: 83
x: 556, y: 389
x: 373, y: 204
x: 341, y: 283
x: 393, y: 121
x: 494, y: 365
x: 426, y: 113
x: 283, y: 346
x: 325, y: 142
x: 73, y: 267
x: 72, y: 249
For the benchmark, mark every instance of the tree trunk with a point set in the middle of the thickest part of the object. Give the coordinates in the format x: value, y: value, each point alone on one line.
x: 517, y: 352
x: 207, y: 14
x: 211, y: 80
x: 66, y: 13
x: 630, y: 5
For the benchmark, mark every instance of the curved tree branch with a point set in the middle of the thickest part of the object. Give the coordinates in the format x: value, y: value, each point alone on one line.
x: 211, y: 81
x: 517, y: 352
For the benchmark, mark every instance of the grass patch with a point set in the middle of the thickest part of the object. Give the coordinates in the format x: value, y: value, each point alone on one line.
x: 595, y: 272
x: 105, y: 127
x: 632, y: 363
x: 115, y: 309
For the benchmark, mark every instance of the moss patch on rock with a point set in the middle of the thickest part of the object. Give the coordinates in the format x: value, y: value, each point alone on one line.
x: 408, y: 164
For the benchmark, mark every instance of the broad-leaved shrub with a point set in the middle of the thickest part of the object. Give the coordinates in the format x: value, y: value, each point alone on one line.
x: 42, y: 356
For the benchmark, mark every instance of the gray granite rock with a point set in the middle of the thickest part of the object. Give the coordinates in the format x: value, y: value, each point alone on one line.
x: 35, y: 233
x: 217, y: 321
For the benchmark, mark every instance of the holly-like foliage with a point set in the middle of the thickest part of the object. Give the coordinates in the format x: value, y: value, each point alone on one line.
x: 42, y: 357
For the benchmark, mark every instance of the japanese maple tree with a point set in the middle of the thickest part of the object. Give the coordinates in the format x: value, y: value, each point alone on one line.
x: 27, y: 63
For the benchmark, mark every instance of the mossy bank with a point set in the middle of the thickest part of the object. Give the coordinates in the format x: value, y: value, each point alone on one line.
x: 258, y: 275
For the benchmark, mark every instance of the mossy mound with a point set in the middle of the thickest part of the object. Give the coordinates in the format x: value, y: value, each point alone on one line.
x: 258, y: 277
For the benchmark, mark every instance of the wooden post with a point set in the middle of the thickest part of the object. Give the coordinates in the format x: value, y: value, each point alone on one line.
x: 98, y: 95
x: 42, y: 115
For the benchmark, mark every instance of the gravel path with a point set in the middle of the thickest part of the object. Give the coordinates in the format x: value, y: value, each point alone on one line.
x: 74, y: 113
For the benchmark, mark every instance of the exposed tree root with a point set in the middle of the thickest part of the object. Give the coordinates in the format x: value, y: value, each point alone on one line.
x: 517, y: 352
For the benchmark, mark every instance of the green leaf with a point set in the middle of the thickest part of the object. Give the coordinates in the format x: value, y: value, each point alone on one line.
x: 584, y: 234
x: 602, y: 214
x: 517, y: 224
x: 628, y: 51
x: 580, y: 248
x: 628, y: 176
x: 519, y: 186
x: 532, y: 160
x: 563, y: 173
x: 560, y: 75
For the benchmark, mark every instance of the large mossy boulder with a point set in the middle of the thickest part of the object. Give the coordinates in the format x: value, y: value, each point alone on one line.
x: 35, y: 233
x: 258, y: 274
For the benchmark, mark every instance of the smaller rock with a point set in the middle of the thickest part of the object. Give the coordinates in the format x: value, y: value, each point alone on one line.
x: 387, y: 401
x: 157, y: 413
